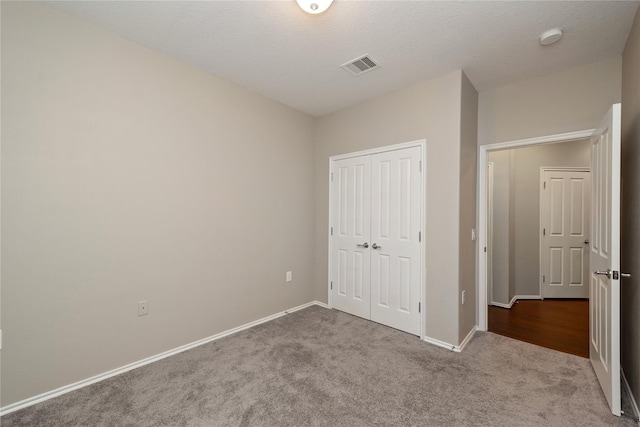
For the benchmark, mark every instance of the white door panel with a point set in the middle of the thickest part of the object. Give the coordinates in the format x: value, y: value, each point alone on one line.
x: 395, y: 224
x: 350, y: 260
x: 565, y: 209
x: 604, y: 306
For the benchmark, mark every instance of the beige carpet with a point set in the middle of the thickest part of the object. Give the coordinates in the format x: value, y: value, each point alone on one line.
x: 320, y: 367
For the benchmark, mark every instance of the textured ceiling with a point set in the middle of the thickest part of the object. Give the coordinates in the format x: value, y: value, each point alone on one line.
x: 275, y: 49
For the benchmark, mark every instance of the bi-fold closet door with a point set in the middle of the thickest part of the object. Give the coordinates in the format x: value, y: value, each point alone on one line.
x: 375, y: 249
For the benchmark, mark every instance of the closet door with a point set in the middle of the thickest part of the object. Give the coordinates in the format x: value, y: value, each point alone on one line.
x: 350, y: 240
x: 395, y: 239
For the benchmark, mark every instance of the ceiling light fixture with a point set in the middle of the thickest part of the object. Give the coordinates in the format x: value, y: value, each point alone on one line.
x: 550, y: 36
x: 314, y: 7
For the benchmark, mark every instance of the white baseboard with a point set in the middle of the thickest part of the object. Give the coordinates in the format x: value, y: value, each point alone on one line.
x: 634, y: 404
x: 100, y: 377
x: 502, y: 305
x: 321, y: 304
x: 514, y: 299
x: 439, y: 343
x: 528, y: 297
x: 454, y: 348
x: 466, y: 339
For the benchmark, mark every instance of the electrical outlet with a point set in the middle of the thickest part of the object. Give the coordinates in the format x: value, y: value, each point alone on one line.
x: 463, y: 293
x: 289, y: 276
x: 143, y: 308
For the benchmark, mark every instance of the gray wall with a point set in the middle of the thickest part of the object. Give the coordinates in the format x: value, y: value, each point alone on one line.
x: 468, y: 180
x: 430, y: 110
x: 630, y: 222
x: 571, y: 100
x: 502, y: 287
x: 526, y: 184
x: 128, y: 176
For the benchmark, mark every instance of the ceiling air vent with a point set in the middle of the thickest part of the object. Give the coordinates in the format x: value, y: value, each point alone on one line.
x: 360, y: 65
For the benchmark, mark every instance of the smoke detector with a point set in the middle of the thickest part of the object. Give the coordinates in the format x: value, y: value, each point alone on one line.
x: 360, y: 65
x: 550, y: 36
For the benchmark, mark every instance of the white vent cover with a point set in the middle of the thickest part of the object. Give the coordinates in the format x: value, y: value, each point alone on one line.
x: 360, y: 65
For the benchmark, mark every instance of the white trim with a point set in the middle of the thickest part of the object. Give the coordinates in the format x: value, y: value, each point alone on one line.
x: 514, y: 300
x: 466, y: 339
x: 528, y: 297
x: 482, y: 206
x: 548, y: 139
x: 321, y: 304
x: 394, y: 147
x: 422, y: 143
x: 439, y: 343
x: 509, y: 305
x: 451, y: 347
x: 634, y: 405
x: 565, y: 169
x: 423, y: 240
x: 329, y: 301
x: 83, y: 383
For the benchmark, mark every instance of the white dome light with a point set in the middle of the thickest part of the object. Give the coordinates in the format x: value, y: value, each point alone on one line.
x: 550, y: 36
x: 314, y: 6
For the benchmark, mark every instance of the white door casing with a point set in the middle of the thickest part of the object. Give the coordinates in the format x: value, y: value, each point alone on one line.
x: 350, y: 235
x: 395, y: 249
x: 604, y: 305
x: 377, y: 202
x: 564, y: 221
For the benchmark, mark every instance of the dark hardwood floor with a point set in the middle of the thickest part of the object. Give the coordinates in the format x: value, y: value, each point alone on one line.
x: 558, y: 324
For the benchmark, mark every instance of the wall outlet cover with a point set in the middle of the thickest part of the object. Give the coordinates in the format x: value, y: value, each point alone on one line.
x: 143, y: 308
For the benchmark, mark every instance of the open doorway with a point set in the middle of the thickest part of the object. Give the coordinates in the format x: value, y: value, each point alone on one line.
x: 537, y: 225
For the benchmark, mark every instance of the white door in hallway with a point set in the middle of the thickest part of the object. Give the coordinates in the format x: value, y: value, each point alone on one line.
x: 565, y: 206
x: 604, y: 304
x: 350, y: 235
x: 375, y: 250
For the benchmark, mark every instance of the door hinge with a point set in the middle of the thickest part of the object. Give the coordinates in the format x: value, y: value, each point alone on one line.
x: 419, y: 307
x: 544, y: 278
x: 332, y: 231
x: 544, y: 185
x: 485, y: 249
x: 331, y: 285
x: 420, y: 165
x: 419, y: 236
x: 544, y: 231
x: 332, y: 176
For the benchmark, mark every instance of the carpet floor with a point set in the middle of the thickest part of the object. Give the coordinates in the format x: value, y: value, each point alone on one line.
x: 320, y: 367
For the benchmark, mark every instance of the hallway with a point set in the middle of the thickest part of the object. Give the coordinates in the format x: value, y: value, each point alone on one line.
x: 558, y: 324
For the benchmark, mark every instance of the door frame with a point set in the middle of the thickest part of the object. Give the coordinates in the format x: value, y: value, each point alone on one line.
x: 542, y: 171
x: 422, y: 143
x: 482, y: 308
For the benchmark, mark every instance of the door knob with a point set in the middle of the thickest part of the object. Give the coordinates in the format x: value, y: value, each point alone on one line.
x: 604, y: 273
x: 363, y: 245
x: 586, y: 241
x: 375, y: 246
